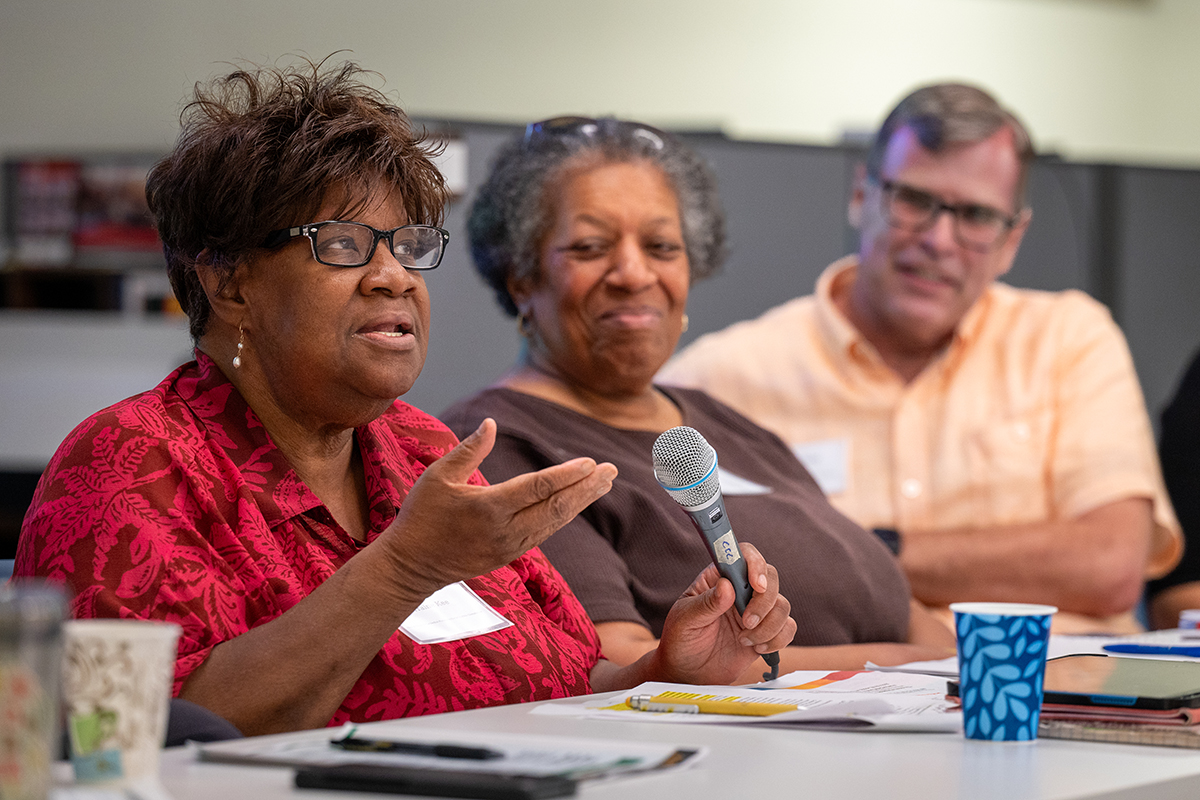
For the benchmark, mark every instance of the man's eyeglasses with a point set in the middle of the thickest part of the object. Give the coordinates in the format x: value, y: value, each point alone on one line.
x: 352, y: 244
x: 976, y: 227
x: 589, y: 128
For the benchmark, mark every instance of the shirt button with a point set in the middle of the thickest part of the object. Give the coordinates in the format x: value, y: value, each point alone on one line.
x: 910, y: 488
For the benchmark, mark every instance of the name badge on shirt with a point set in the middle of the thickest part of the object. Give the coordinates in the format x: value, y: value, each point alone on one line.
x: 735, y: 485
x: 826, y: 460
x: 451, y: 613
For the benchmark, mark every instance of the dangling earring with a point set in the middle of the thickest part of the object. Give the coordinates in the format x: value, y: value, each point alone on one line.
x: 683, y: 328
x: 237, y: 359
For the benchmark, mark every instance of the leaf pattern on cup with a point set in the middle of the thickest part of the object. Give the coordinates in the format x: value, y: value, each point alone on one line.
x: 1000, y: 665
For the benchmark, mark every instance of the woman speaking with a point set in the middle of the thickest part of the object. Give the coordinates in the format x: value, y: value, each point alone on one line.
x: 275, y: 499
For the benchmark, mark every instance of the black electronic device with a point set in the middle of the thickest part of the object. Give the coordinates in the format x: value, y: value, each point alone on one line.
x: 433, y: 782
x: 1117, y: 682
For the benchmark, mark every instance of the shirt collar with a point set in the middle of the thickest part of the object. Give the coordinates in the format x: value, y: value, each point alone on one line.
x: 841, y: 339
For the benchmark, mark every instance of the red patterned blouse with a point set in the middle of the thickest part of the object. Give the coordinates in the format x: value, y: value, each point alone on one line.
x: 175, y: 504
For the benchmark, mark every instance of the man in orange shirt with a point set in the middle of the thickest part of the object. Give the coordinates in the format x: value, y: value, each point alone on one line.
x: 996, y: 437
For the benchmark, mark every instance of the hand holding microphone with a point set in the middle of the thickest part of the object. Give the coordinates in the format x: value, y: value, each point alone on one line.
x: 685, y: 464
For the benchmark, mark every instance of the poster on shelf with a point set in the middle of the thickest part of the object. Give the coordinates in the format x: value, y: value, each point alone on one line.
x: 41, y: 198
x: 113, y: 225
x: 81, y: 212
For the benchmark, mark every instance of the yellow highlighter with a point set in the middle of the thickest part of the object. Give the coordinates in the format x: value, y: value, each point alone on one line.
x: 684, y: 703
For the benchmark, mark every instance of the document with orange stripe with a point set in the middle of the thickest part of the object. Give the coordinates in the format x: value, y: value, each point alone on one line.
x: 863, y: 699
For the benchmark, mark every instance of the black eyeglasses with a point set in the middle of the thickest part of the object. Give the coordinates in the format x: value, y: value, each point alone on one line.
x: 352, y: 244
x: 590, y: 127
x: 976, y: 227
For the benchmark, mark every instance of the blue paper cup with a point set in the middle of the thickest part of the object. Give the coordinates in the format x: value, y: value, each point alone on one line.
x: 1001, y: 662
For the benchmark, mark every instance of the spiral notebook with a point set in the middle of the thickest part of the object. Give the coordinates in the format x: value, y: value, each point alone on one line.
x: 1121, y: 732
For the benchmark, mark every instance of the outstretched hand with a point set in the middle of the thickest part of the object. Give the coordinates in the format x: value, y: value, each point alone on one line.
x: 706, y: 641
x: 448, y: 530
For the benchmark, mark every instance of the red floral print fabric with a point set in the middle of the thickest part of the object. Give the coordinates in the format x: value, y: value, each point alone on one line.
x: 175, y: 505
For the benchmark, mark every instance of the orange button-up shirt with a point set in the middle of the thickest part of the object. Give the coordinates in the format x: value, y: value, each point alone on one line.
x: 1033, y: 413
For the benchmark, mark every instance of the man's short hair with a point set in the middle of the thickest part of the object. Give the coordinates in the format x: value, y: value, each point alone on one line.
x: 946, y: 114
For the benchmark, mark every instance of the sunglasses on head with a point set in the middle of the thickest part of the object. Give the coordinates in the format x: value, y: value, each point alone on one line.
x: 590, y: 128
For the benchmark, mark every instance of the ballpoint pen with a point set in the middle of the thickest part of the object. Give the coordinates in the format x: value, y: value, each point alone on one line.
x: 1155, y: 649
x: 358, y: 744
x: 680, y: 703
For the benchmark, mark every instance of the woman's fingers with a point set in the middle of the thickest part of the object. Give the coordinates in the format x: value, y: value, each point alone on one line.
x: 465, y: 530
x: 775, y: 631
x: 766, y: 624
x: 757, y: 567
x: 558, y: 498
x: 703, y: 605
x: 459, y: 464
x: 529, y: 490
x: 535, y: 502
x: 764, y: 579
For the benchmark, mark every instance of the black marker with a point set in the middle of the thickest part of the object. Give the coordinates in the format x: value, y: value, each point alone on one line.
x: 361, y: 745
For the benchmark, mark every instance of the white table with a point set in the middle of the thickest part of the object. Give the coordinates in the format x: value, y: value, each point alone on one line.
x: 766, y: 763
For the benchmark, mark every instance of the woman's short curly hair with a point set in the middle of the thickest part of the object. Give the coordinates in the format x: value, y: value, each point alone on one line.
x: 265, y: 148
x: 511, y: 215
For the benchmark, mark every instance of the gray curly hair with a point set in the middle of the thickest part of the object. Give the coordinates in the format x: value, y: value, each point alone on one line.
x: 511, y: 216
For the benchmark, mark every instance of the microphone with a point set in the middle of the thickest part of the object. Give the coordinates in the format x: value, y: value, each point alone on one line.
x: 685, y: 464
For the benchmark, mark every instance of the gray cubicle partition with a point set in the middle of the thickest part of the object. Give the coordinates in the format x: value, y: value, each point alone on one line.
x: 1157, y: 283
x: 786, y: 212
x: 1061, y: 240
x: 1124, y: 235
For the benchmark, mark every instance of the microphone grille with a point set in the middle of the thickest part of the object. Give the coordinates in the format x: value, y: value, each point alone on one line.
x: 683, y: 457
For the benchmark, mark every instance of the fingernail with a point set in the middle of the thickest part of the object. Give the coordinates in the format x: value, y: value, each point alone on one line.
x: 751, y: 621
x: 745, y: 642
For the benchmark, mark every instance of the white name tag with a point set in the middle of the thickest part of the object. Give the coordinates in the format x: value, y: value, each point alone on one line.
x: 826, y: 460
x: 451, y: 613
x: 735, y: 485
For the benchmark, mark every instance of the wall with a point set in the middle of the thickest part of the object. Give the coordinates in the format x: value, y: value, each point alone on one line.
x: 1095, y: 79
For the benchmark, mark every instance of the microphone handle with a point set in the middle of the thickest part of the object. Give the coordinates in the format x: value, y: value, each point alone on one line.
x: 712, y: 523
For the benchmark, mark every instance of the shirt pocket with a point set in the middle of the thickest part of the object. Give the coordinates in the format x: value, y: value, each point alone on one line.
x: 1008, y: 461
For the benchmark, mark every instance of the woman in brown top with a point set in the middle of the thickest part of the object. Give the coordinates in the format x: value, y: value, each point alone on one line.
x: 590, y: 232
